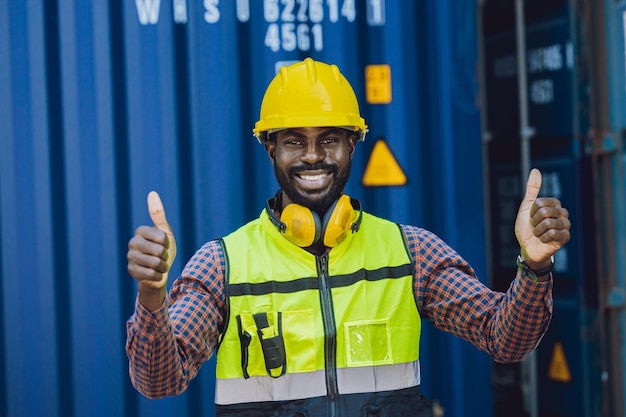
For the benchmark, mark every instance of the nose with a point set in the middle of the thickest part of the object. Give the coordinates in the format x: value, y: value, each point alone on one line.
x: 313, y: 152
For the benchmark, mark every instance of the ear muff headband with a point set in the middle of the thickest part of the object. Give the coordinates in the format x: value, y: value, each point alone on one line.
x: 303, y: 227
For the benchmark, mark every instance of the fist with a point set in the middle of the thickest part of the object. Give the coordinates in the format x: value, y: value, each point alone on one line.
x: 542, y: 226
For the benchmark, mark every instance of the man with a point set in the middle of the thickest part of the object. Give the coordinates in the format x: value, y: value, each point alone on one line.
x: 315, y: 308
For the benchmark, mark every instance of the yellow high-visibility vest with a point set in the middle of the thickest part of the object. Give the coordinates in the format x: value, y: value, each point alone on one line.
x: 303, y: 326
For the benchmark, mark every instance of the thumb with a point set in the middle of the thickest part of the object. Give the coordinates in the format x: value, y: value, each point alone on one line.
x: 157, y: 212
x: 533, y: 185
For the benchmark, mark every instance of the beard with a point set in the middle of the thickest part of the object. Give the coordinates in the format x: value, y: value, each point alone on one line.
x: 321, y: 204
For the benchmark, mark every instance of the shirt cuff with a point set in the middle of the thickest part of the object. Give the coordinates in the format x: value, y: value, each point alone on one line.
x: 154, y: 322
x: 533, y: 293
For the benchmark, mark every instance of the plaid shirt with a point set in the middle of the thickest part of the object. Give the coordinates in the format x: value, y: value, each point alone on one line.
x: 167, y: 347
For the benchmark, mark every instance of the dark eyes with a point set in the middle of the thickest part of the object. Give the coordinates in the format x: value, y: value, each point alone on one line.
x: 325, y: 141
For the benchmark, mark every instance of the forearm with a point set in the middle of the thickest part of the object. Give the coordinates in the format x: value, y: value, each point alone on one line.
x: 167, y: 347
x: 155, y: 366
x: 521, y: 320
x: 508, y: 325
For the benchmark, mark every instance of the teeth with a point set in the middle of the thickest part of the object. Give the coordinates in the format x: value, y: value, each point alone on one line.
x: 312, y: 177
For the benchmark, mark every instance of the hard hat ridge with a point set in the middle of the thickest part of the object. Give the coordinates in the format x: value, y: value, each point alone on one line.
x: 311, y: 71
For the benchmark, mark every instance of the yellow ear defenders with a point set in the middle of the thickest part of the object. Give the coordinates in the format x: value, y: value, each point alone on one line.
x: 303, y: 227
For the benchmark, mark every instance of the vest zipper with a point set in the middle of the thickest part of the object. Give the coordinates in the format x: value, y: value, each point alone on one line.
x: 330, y: 334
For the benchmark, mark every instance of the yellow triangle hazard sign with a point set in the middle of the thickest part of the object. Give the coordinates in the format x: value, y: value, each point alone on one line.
x: 382, y: 169
x: 559, y: 371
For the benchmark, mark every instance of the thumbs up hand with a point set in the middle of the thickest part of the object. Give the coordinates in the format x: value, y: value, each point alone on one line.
x: 542, y: 226
x: 151, y: 253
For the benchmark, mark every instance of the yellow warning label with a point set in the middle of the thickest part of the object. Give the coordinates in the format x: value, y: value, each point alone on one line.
x: 559, y: 371
x: 378, y: 84
x: 382, y: 169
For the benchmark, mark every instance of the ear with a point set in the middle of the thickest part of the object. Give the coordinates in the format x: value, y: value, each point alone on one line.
x: 352, y: 140
x: 270, y: 148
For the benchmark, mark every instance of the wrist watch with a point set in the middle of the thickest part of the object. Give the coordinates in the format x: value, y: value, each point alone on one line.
x: 531, y: 273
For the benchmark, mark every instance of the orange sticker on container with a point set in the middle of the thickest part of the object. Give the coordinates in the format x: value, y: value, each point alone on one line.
x: 378, y: 84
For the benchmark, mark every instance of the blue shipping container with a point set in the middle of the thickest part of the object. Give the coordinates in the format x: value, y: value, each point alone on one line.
x: 101, y: 102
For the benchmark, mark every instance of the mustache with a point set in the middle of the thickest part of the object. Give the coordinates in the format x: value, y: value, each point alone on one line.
x: 313, y: 167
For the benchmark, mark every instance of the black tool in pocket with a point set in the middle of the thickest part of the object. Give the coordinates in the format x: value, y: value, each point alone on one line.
x: 269, y: 329
x: 272, y: 343
x: 244, y: 342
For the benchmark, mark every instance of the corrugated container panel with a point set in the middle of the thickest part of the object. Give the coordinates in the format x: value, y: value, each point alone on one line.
x: 617, y: 66
x: 101, y: 102
x: 617, y: 94
x: 81, y: 100
x: 34, y: 342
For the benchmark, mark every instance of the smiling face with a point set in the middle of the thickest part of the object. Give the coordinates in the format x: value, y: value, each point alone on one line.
x: 312, y: 164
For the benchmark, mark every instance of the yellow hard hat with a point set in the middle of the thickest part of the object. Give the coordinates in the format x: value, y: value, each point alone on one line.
x: 309, y: 94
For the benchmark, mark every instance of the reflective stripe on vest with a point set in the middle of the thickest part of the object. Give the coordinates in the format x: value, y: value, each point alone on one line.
x: 299, y: 324
x: 312, y: 384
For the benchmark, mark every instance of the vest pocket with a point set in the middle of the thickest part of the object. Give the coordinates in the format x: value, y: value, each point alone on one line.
x: 272, y: 342
x: 368, y: 343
